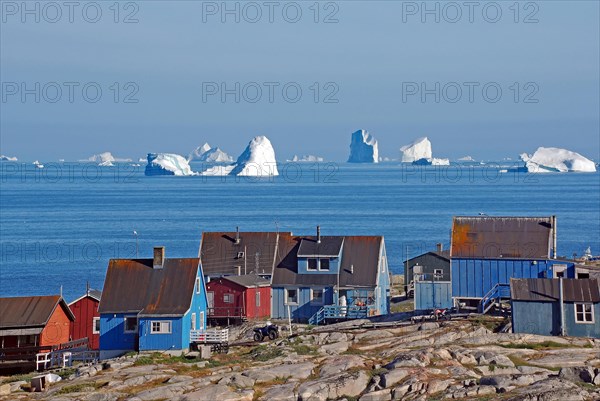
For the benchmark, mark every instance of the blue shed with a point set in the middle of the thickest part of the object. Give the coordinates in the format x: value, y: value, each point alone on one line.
x: 151, y: 304
x: 538, y: 307
x: 486, y: 252
x: 331, y: 277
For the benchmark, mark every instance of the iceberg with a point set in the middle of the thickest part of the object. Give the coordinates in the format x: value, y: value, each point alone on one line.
x: 466, y: 159
x: 546, y: 160
x: 104, y: 158
x: 306, y: 158
x: 432, y: 162
x: 167, y: 164
x: 207, y: 154
x: 419, y: 149
x: 107, y: 163
x: 363, y: 148
x: 38, y: 164
x: 8, y: 158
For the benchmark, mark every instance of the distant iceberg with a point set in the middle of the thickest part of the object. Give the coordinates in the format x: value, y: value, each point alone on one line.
x: 432, y: 162
x: 546, y: 160
x: 419, y: 149
x: 167, y: 164
x: 38, y: 164
x: 466, y: 159
x: 107, y: 163
x: 307, y: 158
x: 257, y: 160
x: 104, y: 157
x: 363, y: 148
x: 8, y: 158
x: 207, y: 154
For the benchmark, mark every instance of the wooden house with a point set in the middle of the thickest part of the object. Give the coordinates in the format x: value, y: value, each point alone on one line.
x: 87, y: 318
x: 151, y: 304
x: 238, y: 298
x: 541, y: 306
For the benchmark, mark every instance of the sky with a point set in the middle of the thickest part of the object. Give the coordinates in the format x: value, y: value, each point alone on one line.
x: 166, y: 76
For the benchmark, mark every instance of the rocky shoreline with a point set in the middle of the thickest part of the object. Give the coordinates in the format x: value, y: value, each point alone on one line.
x: 429, y: 361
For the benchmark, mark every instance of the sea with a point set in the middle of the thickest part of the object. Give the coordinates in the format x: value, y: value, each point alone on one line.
x: 61, y: 224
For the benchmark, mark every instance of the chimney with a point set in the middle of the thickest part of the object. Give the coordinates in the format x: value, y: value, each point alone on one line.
x: 554, y: 237
x: 159, y: 257
x: 439, y: 246
x: 237, y: 235
x: 318, y: 234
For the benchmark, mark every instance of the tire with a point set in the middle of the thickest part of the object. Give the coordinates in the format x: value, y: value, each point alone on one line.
x: 258, y: 337
x: 272, y: 334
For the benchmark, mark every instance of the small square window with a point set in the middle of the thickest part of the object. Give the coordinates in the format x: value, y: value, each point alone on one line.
x: 316, y: 296
x: 324, y: 264
x: 159, y: 327
x: 131, y: 324
x: 228, y: 298
x: 291, y: 296
x: 96, y: 325
x: 312, y: 264
x: 584, y: 313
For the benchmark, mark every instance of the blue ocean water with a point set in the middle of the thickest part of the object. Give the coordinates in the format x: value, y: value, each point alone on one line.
x: 61, y: 224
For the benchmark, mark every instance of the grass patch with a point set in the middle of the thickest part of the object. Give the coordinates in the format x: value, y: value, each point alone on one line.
x: 302, y: 349
x: 537, y: 346
x: 22, y: 377
x: 403, y: 306
x: 522, y: 362
x: 159, y: 358
x: 80, y: 387
x: 263, y: 353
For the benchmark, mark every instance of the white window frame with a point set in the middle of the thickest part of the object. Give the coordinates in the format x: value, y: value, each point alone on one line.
x: 287, y: 293
x: 94, y: 320
x: 319, y: 264
x: 193, y: 322
x: 257, y: 299
x: 438, y: 272
x: 583, y: 305
x: 164, y: 327
x: 227, y: 296
x: 312, y: 296
x: 308, y: 268
x: 125, y: 324
x: 198, y: 285
x: 201, y: 320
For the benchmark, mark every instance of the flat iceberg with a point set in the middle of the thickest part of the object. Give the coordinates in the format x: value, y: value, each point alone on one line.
x: 257, y: 160
x: 363, y: 148
x: 8, y: 158
x: 207, y: 154
x: 432, y: 162
x: 419, y: 149
x: 167, y: 164
x: 546, y: 160
x: 107, y: 163
x: 306, y: 158
x: 466, y: 159
x: 104, y: 157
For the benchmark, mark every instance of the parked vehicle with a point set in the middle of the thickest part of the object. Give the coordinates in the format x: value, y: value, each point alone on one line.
x: 440, y: 314
x: 270, y: 331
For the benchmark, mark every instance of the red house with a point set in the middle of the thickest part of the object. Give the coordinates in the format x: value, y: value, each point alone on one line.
x: 87, y: 318
x: 239, y: 297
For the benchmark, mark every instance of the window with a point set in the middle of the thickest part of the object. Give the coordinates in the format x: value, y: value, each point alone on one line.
x: 193, y: 322
x: 584, y: 313
x: 312, y: 264
x: 161, y: 327
x: 96, y: 325
x: 438, y: 273
x: 291, y: 296
x: 201, y: 323
x: 198, y: 285
x: 257, y: 299
x: 316, y: 296
x: 324, y: 264
x: 131, y: 324
x: 228, y: 298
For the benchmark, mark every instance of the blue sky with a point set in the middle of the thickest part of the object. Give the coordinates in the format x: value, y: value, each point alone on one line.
x: 370, y: 55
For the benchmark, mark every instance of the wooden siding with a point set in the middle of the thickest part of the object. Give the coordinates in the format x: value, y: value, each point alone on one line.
x: 161, y: 341
x: 85, y: 310
x: 244, y: 300
x: 58, y: 328
x: 112, y: 333
x: 261, y: 311
x: 432, y: 295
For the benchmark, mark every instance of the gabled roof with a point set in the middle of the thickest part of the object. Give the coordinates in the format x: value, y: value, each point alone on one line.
x: 548, y: 290
x: 249, y: 281
x: 358, y: 268
x: 255, y: 253
x: 329, y: 246
x: 23, y: 312
x: 444, y: 255
x: 91, y: 293
x: 134, y: 286
x: 501, y: 237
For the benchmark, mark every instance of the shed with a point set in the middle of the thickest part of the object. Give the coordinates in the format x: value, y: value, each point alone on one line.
x: 239, y: 298
x: 537, y: 307
x: 87, y: 318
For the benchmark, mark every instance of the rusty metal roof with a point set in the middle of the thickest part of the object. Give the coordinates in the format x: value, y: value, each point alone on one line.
x: 328, y: 246
x: 548, y: 289
x: 358, y: 268
x: 134, y: 286
x: 249, y: 281
x: 501, y: 237
x: 255, y: 253
x: 21, y: 312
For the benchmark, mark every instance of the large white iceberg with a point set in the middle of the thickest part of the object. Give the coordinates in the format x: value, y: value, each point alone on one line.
x: 306, y: 158
x: 8, y: 158
x: 167, y: 164
x: 207, y: 154
x: 363, y: 148
x: 546, y: 160
x: 257, y: 160
x: 416, y: 150
x: 104, y: 158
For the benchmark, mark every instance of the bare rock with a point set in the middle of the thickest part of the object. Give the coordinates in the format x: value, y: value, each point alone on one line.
x: 394, y: 376
x: 341, y: 364
x: 381, y: 395
x: 577, y: 374
x: 5, y: 389
x: 334, y: 387
x: 334, y: 348
x: 218, y: 392
x: 286, y: 392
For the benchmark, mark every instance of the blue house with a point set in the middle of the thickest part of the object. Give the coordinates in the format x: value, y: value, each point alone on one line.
x: 331, y: 277
x: 151, y: 304
x: 428, y: 279
x: 486, y: 252
x: 539, y: 308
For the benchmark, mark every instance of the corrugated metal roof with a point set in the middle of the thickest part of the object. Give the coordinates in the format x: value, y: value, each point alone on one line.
x: 133, y: 285
x: 256, y: 252
x: 95, y: 294
x: 249, y: 280
x: 359, y: 264
x: 445, y: 255
x: 501, y: 237
x: 547, y: 289
x: 21, y: 312
x: 329, y: 246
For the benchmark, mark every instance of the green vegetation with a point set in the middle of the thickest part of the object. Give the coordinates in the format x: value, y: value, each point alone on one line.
x: 263, y: 353
x: 159, y: 358
x: 537, y: 346
x: 302, y: 349
x: 80, y: 387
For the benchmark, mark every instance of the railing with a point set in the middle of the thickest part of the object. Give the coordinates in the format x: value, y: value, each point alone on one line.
x: 342, y: 312
x: 497, y: 292
x: 75, y: 344
x: 226, y: 311
x: 318, y: 317
x: 211, y: 336
x: 22, y: 353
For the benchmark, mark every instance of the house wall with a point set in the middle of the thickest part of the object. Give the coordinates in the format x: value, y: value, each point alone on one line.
x: 334, y: 266
x: 199, y: 306
x: 473, y: 278
x: 429, y: 262
x: 432, y: 295
x: 383, y: 292
x: 581, y: 329
x: 161, y: 342
x: 219, y: 287
x: 112, y: 333
x: 264, y: 309
x: 304, y: 309
x: 58, y: 328
x: 85, y: 310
